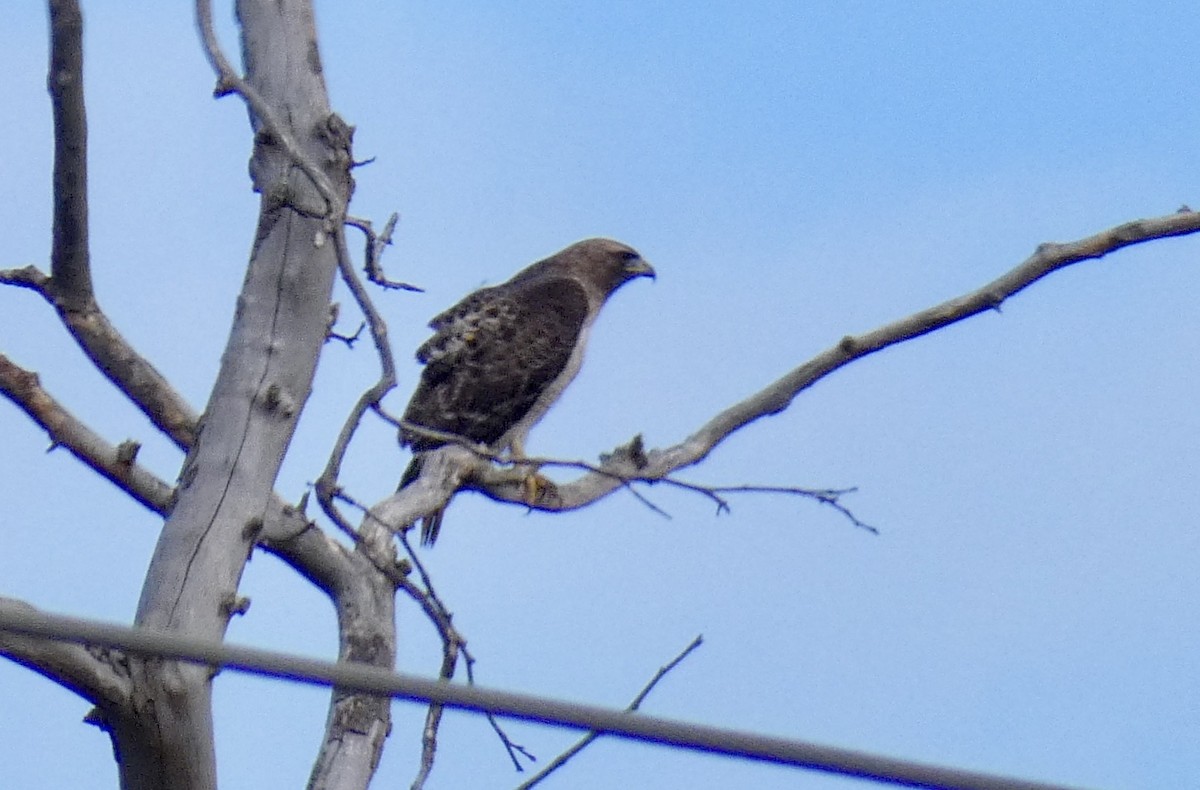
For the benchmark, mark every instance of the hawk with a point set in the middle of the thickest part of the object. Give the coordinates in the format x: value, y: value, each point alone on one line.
x: 500, y: 358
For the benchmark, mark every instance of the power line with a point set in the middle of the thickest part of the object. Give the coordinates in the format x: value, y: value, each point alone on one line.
x: 609, y: 721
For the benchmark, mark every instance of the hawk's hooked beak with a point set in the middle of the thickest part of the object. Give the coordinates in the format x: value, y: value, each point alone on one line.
x: 638, y: 267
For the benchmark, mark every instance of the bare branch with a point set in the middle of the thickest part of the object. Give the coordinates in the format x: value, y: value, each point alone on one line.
x: 633, y: 453
x: 327, y: 484
x: 826, y: 496
x: 285, y: 531
x: 583, y: 742
x: 98, y: 675
x: 349, y: 340
x: 69, y: 252
x: 30, y: 277
x: 453, y: 644
x: 262, y: 115
x: 113, y: 356
x: 516, y: 474
x: 114, y: 463
x: 374, y: 252
x: 69, y: 287
x: 776, y: 397
x: 443, y: 473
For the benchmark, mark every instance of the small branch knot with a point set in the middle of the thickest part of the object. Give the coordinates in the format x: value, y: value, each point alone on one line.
x: 632, y: 453
x: 234, y: 604
x: 277, y: 401
x: 253, y: 528
x: 127, y: 452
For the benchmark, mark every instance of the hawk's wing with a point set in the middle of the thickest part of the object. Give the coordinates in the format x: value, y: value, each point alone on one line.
x: 492, y: 355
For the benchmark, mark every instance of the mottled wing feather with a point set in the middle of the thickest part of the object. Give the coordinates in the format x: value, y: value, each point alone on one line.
x: 492, y: 355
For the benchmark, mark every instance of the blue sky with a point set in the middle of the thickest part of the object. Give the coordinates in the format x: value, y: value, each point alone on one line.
x: 796, y: 172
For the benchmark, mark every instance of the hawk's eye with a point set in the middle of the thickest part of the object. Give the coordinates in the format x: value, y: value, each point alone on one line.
x: 629, y: 255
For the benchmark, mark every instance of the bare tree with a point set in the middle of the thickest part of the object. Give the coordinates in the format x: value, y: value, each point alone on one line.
x: 159, y: 712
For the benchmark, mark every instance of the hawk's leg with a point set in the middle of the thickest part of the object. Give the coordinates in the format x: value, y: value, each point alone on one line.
x: 536, y: 487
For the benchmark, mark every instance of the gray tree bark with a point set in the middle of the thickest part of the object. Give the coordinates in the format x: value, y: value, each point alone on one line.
x: 265, y: 378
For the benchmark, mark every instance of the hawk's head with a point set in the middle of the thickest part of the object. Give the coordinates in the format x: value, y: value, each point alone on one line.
x: 603, y: 264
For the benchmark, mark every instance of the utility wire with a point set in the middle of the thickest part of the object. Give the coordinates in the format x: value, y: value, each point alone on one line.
x: 609, y: 721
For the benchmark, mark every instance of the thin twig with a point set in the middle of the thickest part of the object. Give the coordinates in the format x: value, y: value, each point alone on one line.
x: 583, y: 742
x: 453, y: 643
x: 826, y: 496
x: 327, y: 483
x: 375, y: 246
x: 229, y: 81
x: 349, y: 340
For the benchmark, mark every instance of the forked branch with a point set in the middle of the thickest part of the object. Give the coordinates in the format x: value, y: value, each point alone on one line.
x: 69, y: 286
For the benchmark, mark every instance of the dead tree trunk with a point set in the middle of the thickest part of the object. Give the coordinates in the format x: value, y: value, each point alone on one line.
x: 266, y: 373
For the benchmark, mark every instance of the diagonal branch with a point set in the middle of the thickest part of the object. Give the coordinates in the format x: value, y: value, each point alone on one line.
x: 96, y: 674
x: 113, y: 356
x: 263, y: 116
x: 69, y: 286
x: 117, y: 463
x: 592, y: 735
x: 622, y: 468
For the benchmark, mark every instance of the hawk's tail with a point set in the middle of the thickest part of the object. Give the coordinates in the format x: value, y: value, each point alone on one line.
x: 431, y: 523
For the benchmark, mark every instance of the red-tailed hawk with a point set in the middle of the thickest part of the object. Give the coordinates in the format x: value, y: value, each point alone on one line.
x: 500, y: 358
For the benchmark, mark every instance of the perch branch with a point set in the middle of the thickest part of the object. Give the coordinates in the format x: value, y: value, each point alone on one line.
x: 619, y: 469
x: 631, y: 453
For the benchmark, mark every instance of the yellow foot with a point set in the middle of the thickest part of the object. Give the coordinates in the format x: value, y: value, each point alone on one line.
x: 537, y: 488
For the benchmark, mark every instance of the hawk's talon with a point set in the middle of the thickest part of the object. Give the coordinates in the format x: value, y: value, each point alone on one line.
x: 537, y: 488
